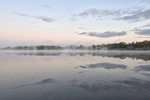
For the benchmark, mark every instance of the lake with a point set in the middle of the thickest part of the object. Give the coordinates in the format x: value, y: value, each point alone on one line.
x: 74, y: 75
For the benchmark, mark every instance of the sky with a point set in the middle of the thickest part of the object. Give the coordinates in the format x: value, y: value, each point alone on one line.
x: 73, y: 22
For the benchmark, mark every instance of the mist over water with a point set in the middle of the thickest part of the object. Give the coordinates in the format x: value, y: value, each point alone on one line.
x: 74, y: 75
x: 122, y: 54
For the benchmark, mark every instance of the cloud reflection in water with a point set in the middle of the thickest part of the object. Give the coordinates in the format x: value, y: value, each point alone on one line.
x: 43, y: 82
x: 105, y: 66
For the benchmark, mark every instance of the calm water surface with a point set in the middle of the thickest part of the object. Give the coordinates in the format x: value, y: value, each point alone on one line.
x: 74, y: 75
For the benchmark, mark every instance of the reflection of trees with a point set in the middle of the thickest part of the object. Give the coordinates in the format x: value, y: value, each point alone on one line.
x: 144, y: 55
x: 38, y: 54
x: 133, y: 56
x: 122, y: 55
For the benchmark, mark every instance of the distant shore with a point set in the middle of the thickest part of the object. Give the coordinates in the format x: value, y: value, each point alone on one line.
x: 144, y: 45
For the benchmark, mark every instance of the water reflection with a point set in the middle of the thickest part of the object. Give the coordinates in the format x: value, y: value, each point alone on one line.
x: 135, y: 84
x: 146, y: 74
x: 43, y: 82
x: 39, y: 53
x: 80, y: 75
x: 131, y: 84
x: 105, y: 66
x: 142, y: 68
x: 144, y: 55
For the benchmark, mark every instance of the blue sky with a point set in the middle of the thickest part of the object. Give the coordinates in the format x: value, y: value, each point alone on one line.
x: 65, y: 22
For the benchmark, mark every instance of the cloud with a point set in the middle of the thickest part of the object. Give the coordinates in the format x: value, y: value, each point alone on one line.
x: 21, y: 14
x: 95, y: 12
x: 105, y: 66
x: 109, y: 12
x: 104, y: 34
x: 145, y: 1
x: 83, y: 28
x: 106, y: 12
x: 128, y: 14
x: 47, y: 7
x: 142, y: 31
x: 73, y: 19
x: 45, y: 19
x: 83, y: 33
x: 137, y: 16
x: 147, y: 25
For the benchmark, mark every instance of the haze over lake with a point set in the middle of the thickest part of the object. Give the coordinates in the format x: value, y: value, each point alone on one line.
x: 74, y: 75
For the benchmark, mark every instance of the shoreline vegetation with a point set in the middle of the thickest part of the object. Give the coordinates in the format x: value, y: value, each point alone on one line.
x: 144, y: 45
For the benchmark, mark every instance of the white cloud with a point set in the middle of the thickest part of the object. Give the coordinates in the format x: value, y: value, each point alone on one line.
x: 45, y: 19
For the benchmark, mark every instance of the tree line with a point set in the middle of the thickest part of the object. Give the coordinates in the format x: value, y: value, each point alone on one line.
x: 144, y: 45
